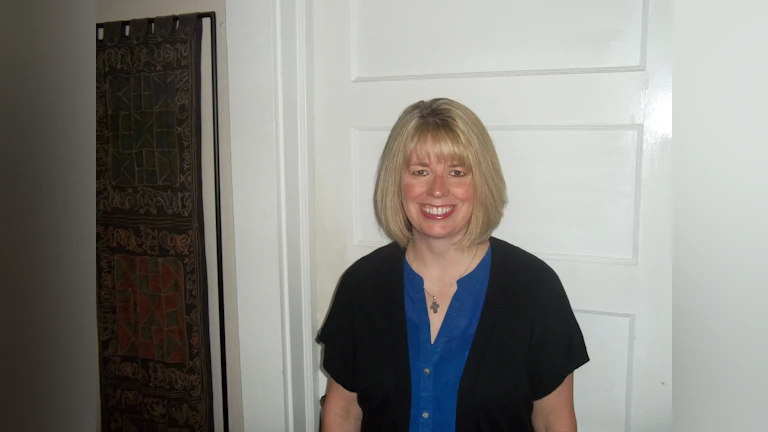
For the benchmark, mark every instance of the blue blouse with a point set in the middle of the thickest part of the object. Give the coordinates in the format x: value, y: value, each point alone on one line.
x: 436, y: 369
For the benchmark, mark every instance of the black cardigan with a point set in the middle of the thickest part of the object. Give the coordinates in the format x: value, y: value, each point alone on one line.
x: 527, y: 342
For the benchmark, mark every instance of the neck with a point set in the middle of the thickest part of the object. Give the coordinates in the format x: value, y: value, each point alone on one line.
x: 443, y: 257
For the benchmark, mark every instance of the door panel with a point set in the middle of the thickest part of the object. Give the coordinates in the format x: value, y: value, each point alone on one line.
x: 433, y: 37
x: 576, y: 96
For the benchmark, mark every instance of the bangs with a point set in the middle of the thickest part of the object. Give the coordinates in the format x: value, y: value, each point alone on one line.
x: 433, y: 143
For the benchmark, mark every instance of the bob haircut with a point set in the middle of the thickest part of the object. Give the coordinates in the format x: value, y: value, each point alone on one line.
x: 444, y: 130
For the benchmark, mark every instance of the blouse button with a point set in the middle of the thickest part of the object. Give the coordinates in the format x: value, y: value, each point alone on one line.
x: 425, y: 414
x: 426, y: 371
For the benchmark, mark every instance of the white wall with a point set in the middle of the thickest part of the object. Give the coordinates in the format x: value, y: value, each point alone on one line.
x: 116, y: 10
x: 721, y: 204
x: 254, y: 129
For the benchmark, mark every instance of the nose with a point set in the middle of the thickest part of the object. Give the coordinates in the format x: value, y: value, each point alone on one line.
x: 437, y: 187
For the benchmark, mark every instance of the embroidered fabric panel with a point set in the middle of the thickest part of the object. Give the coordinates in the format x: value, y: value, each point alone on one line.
x: 155, y: 366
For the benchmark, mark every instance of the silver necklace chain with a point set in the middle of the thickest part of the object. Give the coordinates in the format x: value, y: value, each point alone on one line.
x: 435, y: 305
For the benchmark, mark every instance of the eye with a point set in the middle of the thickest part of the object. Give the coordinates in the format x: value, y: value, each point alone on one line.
x: 458, y: 173
x: 420, y: 172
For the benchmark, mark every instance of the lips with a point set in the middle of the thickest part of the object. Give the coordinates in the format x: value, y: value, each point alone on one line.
x: 437, y: 212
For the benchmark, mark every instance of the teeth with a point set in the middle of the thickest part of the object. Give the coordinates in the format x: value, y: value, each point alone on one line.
x: 437, y: 210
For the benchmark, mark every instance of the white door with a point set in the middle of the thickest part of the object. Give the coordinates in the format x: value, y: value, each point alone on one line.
x: 577, y: 98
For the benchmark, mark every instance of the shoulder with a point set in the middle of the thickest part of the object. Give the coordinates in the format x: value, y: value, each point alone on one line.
x: 524, y: 269
x: 378, y: 262
x: 361, y: 282
x: 519, y: 260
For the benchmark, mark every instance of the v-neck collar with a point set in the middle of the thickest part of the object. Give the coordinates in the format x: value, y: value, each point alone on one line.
x: 467, y: 286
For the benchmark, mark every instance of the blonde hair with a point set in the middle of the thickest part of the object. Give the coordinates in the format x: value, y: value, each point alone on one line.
x: 447, y: 130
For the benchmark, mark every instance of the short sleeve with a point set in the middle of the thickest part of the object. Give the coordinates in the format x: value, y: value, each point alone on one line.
x: 337, y: 335
x: 557, y: 346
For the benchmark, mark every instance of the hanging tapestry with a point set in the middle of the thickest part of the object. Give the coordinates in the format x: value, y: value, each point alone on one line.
x: 155, y: 366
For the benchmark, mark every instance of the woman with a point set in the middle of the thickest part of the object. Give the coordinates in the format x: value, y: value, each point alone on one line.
x: 447, y: 328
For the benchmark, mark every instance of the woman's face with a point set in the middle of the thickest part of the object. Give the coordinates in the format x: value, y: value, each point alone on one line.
x: 437, y: 197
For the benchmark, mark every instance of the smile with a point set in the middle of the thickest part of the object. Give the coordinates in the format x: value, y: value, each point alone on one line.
x: 441, y: 212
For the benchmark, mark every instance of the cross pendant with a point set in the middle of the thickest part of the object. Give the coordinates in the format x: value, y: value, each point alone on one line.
x: 434, y: 306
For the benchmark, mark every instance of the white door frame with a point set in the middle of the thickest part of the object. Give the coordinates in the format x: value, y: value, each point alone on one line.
x: 271, y: 152
x: 293, y: 52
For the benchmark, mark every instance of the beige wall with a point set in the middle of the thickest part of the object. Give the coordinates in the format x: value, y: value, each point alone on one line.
x: 112, y: 10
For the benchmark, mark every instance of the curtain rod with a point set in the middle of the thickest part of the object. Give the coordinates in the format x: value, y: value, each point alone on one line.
x: 200, y: 15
